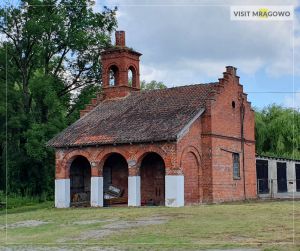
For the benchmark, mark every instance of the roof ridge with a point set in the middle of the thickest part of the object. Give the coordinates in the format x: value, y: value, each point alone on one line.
x: 181, y: 86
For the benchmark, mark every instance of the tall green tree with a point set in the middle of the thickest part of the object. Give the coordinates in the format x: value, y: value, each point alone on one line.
x: 152, y: 85
x: 277, y: 132
x: 50, y: 64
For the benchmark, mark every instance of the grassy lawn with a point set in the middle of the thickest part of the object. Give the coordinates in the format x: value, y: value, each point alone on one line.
x: 262, y: 225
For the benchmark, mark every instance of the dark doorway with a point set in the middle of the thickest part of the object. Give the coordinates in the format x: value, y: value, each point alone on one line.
x: 297, y: 177
x: 115, y: 180
x: 80, y: 182
x: 153, y: 180
x: 262, y: 176
x: 281, y: 177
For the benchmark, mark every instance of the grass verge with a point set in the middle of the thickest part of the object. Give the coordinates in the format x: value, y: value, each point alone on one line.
x: 264, y: 225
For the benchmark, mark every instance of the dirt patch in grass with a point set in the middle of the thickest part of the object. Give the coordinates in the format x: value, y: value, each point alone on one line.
x: 146, y: 221
x: 90, y: 222
x: 239, y: 249
x: 116, y: 227
x: 51, y: 248
x: 27, y: 223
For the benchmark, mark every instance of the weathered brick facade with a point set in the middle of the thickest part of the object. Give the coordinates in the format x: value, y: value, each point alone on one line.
x: 201, y: 152
x: 211, y: 141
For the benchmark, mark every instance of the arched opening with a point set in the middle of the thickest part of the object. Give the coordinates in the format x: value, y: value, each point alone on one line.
x: 191, y: 178
x: 152, y: 173
x: 115, y: 180
x: 131, y: 77
x: 80, y: 182
x: 113, y: 76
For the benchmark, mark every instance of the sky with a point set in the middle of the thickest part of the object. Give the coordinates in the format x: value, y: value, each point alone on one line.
x: 191, y: 41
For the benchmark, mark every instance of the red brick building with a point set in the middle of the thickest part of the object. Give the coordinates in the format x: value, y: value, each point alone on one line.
x: 176, y: 146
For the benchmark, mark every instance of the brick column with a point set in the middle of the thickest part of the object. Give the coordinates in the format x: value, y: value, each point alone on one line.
x: 174, y: 186
x: 96, y: 186
x: 134, y: 185
x: 62, y: 193
x: 62, y: 184
x: 97, y: 191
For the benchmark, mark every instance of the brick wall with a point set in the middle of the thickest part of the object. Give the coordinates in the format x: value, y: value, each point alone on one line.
x: 205, y: 151
x: 189, y: 159
x: 191, y: 178
x: 225, y: 137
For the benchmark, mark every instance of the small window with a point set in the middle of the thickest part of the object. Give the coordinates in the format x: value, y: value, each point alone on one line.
x: 233, y: 104
x: 236, y: 165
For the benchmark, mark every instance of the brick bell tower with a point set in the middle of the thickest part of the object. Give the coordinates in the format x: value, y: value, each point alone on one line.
x: 121, y: 73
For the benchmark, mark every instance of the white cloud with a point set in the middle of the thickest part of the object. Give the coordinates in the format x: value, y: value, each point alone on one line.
x: 150, y: 73
x: 293, y: 101
x: 193, y: 71
x: 191, y: 41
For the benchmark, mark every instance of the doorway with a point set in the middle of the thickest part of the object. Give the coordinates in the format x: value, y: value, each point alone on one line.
x: 281, y: 177
x: 262, y: 176
x: 115, y: 180
x: 80, y: 182
x: 152, y: 173
x: 297, y: 166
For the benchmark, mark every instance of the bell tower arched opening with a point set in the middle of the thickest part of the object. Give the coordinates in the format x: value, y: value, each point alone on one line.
x: 113, y: 76
x: 132, y: 77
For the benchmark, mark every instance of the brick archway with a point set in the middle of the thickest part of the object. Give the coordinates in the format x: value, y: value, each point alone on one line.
x: 135, y: 76
x: 152, y: 173
x: 70, y: 157
x: 114, y: 170
x: 103, y: 155
x: 157, y: 150
x: 191, y: 165
x: 80, y: 181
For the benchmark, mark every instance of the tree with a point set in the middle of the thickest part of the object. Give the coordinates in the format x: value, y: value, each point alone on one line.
x: 64, y: 38
x: 51, y: 56
x: 277, y: 132
x: 153, y: 85
x: 80, y: 101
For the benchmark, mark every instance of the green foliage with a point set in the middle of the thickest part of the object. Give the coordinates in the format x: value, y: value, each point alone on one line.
x: 80, y: 101
x: 50, y: 54
x: 277, y: 131
x: 153, y: 85
x: 17, y: 204
x: 14, y: 200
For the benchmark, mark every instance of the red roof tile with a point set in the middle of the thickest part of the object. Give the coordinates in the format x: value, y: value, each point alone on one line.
x: 145, y: 116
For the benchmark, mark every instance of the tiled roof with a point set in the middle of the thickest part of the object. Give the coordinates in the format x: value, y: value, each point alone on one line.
x: 144, y: 116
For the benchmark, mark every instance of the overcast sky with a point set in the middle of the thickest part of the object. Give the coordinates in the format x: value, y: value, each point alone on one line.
x: 186, y: 42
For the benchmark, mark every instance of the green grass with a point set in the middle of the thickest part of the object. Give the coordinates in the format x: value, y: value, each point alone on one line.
x: 265, y: 225
x: 17, y: 202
